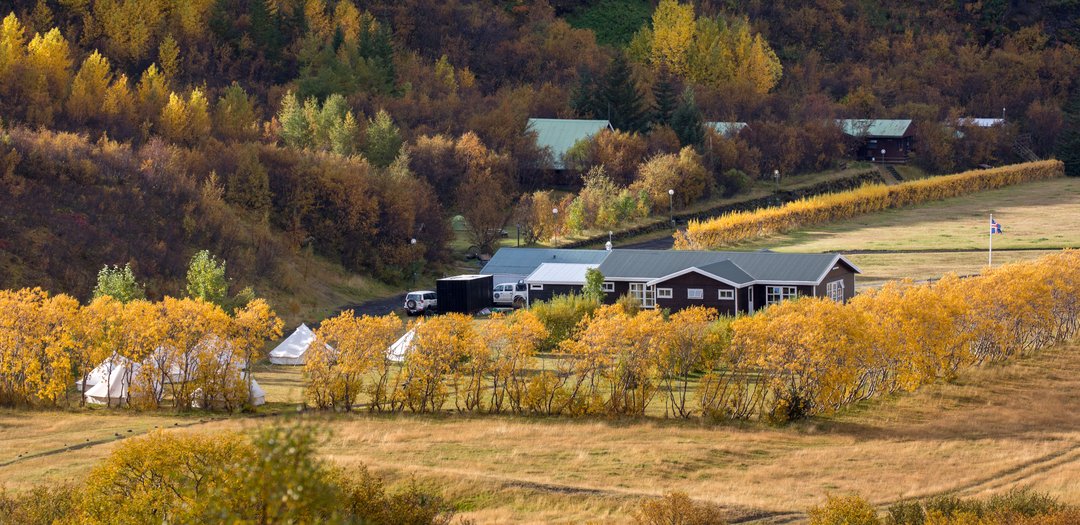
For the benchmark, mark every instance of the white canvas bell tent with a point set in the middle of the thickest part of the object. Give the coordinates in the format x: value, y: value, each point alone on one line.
x: 99, y: 374
x: 291, y: 351
x: 258, y: 395
x: 115, y: 389
x: 401, y: 347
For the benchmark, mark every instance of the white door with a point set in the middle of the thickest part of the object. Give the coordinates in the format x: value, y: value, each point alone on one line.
x: 750, y: 299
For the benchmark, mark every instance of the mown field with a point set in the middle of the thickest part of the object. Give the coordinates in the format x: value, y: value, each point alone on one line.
x: 993, y: 429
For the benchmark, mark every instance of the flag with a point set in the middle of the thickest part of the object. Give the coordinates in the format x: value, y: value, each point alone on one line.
x: 995, y: 227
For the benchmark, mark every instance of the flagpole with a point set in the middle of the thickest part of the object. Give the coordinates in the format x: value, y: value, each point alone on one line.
x: 990, y: 254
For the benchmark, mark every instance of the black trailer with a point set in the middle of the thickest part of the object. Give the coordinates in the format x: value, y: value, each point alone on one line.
x: 464, y: 293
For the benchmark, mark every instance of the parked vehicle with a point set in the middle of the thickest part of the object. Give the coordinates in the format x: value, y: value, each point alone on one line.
x: 510, y: 294
x: 421, y: 302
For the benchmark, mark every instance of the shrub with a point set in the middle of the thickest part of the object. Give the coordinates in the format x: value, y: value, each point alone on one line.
x: 844, y: 510
x: 683, y: 173
x: 733, y: 182
x: 677, y: 508
x: 41, y: 505
x: 561, y: 315
x: 1018, y: 506
x: 630, y: 304
x: 273, y: 477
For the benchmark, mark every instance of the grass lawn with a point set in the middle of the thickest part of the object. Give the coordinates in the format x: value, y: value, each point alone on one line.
x: 995, y: 428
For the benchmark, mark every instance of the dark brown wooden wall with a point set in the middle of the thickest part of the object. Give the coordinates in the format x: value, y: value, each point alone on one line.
x: 710, y: 294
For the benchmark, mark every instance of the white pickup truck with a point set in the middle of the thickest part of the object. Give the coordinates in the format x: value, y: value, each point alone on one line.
x: 510, y: 294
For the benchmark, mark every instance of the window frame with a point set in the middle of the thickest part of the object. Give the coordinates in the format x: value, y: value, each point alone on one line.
x: 664, y: 293
x: 835, y: 290
x: 780, y: 293
x: 721, y: 293
x: 609, y: 286
x: 534, y: 286
x: 700, y: 294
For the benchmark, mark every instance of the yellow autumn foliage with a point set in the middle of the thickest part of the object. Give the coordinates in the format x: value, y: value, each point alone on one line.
x: 813, y: 355
x: 189, y: 352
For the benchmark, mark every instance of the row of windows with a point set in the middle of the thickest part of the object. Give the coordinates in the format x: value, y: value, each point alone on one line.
x: 696, y: 293
x: 773, y: 294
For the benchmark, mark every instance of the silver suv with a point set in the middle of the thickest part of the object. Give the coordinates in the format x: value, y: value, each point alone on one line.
x: 420, y: 302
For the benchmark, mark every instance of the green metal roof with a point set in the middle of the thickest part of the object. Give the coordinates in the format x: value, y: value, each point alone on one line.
x: 758, y: 266
x: 727, y: 270
x: 646, y: 265
x: 727, y: 128
x: 559, y: 135
x: 884, y: 128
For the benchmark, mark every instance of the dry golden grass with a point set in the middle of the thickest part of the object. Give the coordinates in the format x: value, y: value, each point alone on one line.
x: 879, y: 268
x: 993, y: 429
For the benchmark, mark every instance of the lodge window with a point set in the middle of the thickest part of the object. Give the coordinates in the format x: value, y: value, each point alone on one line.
x: 536, y: 287
x: 835, y: 291
x: 727, y: 295
x: 775, y: 294
x: 643, y: 293
x: 663, y: 293
x: 609, y: 287
x: 695, y: 293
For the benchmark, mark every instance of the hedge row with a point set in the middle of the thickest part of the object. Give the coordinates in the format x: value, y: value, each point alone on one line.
x: 735, y: 227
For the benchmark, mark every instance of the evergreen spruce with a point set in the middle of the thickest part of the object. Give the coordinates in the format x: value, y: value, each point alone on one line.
x: 687, y: 121
x: 582, y: 98
x: 665, y: 97
x: 618, y: 99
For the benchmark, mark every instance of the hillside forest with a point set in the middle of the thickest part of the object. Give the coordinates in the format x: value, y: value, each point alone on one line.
x: 142, y: 131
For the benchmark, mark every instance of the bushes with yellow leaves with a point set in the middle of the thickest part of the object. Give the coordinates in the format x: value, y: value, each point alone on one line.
x: 189, y: 351
x: 823, y: 355
x: 739, y: 226
x: 271, y: 476
x: 1016, y: 507
x: 449, y: 359
x: 790, y: 360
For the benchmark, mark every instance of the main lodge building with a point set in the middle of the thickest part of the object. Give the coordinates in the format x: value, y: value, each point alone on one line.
x: 730, y: 282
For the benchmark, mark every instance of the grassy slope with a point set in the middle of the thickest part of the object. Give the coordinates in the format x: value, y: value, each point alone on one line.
x: 995, y: 428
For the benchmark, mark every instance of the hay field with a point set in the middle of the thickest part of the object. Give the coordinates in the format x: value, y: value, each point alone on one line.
x: 993, y: 429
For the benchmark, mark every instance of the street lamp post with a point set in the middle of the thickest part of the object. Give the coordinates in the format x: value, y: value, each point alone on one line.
x: 882, y: 156
x: 554, y: 224
x: 609, y: 246
x: 671, y: 206
x: 518, y: 228
x: 412, y: 242
x: 776, y: 177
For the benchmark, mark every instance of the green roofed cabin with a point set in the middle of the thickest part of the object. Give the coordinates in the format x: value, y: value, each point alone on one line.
x: 881, y: 140
x: 559, y: 135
